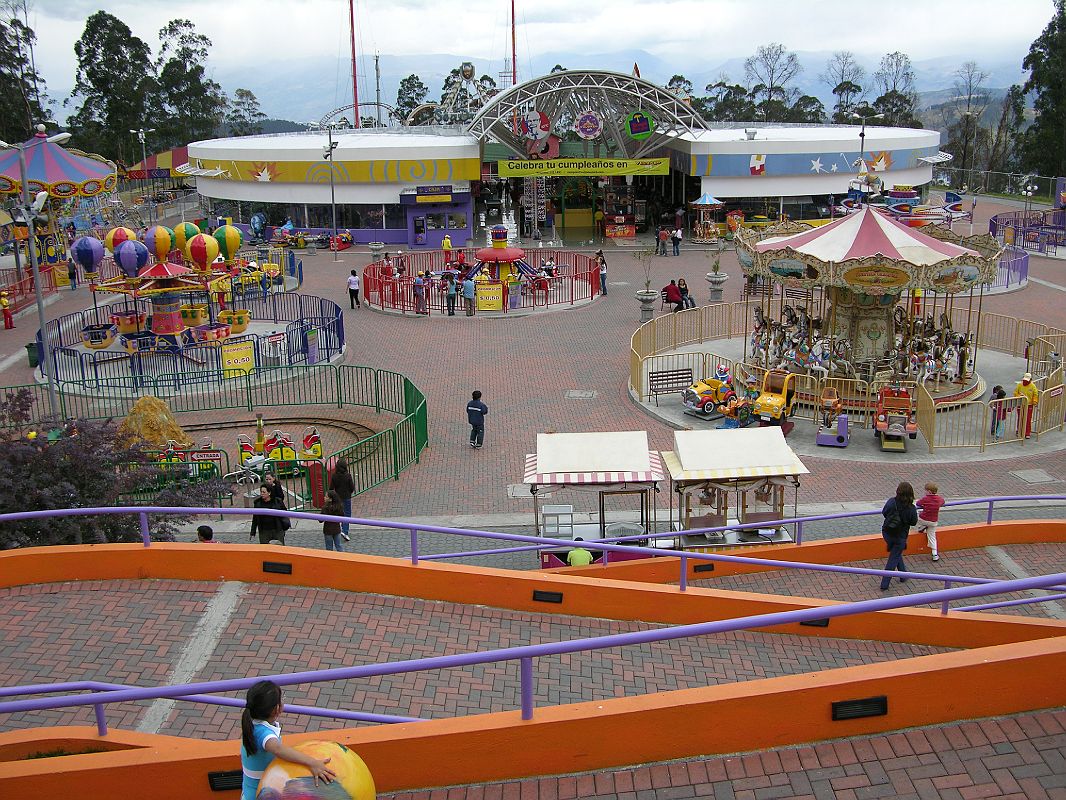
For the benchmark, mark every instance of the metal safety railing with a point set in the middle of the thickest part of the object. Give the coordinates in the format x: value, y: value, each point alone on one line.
x: 102, y: 694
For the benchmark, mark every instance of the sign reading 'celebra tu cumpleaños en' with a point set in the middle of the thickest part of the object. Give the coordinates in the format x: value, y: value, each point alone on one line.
x: 584, y: 166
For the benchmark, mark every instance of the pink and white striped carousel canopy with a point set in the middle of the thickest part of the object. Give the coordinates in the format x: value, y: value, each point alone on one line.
x: 866, y: 234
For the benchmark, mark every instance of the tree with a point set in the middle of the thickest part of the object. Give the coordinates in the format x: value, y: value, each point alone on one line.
x: 193, y: 103
x: 243, y: 117
x: 84, y: 465
x: 410, y: 95
x: 770, y: 71
x: 898, y: 101
x: 728, y: 102
x: 557, y: 68
x: 844, y: 76
x: 968, y: 105
x: 897, y: 109
x: 115, y: 82
x: 806, y: 109
x: 1005, y: 137
x: 1045, y: 141
x: 487, y: 85
x: 20, y: 108
x: 680, y: 85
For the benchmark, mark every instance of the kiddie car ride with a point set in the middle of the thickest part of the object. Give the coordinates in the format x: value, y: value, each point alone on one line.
x: 702, y: 398
x: 894, y: 418
x: 777, y: 398
x: 833, y: 430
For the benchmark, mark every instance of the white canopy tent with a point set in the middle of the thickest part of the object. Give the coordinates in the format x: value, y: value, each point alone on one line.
x: 751, y: 466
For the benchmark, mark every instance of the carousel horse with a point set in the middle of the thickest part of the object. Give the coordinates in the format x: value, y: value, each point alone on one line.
x: 803, y: 322
x: 899, y: 320
x: 789, y: 317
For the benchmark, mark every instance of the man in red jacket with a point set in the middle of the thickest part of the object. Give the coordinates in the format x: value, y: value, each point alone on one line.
x: 673, y: 295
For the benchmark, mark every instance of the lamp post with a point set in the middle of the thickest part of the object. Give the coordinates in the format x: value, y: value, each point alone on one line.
x: 327, y: 153
x: 29, y: 210
x: 1029, y: 191
x: 862, y: 132
x: 862, y: 136
x: 140, y: 134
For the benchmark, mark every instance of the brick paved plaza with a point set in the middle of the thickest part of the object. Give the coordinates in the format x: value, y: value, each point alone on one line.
x: 525, y: 366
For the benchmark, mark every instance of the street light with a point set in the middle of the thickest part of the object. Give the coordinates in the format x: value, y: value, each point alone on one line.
x: 327, y: 153
x: 140, y: 133
x: 1029, y: 191
x: 30, y: 210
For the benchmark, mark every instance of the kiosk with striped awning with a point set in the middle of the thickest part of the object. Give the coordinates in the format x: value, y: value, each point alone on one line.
x: 618, y: 464
x: 732, y: 477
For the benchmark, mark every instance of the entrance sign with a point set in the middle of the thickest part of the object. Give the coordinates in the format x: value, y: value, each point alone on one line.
x: 568, y: 167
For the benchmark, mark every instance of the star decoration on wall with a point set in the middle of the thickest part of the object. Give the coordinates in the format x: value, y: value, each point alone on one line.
x: 816, y: 165
x: 833, y: 168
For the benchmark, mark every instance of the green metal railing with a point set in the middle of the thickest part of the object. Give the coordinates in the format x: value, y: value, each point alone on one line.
x: 380, y: 457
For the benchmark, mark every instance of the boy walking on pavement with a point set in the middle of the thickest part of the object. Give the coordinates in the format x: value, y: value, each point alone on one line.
x: 475, y: 415
x: 929, y: 516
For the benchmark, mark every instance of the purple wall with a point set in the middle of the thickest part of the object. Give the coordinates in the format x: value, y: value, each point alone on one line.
x: 433, y: 239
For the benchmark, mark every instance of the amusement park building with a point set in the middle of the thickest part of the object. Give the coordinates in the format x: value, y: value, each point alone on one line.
x: 414, y: 185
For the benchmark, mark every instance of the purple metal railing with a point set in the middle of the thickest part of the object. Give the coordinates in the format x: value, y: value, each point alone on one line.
x: 523, y: 654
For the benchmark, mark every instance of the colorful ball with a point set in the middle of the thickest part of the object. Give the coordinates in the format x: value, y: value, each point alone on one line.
x: 202, y: 251
x: 88, y: 252
x: 160, y: 241
x: 117, y: 236
x: 229, y: 241
x: 283, y: 779
x: 131, y: 256
x: 183, y: 234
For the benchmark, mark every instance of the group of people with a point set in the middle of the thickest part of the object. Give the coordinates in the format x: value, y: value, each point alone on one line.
x: 271, y: 528
x: 665, y: 236
x: 677, y: 292
x: 900, y: 514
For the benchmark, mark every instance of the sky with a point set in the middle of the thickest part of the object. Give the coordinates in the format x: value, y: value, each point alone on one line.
x: 270, y: 32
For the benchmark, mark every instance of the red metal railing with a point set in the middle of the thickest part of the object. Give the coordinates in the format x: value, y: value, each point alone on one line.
x: 575, y: 279
x: 20, y: 291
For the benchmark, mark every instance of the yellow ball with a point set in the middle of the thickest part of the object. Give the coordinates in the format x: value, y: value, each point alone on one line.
x: 283, y: 779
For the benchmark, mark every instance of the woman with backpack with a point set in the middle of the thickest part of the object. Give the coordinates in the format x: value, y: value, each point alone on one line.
x: 900, y: 514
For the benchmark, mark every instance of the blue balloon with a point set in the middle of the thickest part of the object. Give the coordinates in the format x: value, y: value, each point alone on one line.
x: 88, y: 251
x: 131, y: 256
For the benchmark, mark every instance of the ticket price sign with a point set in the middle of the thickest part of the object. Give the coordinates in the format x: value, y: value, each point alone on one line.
x: 490, y: 296
x: 312, y: 345
x: 238, y: 358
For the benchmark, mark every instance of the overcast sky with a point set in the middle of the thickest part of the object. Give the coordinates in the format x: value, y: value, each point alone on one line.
x: 690, y: 31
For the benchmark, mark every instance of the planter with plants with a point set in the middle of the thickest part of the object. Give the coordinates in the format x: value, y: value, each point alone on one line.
x: 647, y: 296
x: 716, y: 278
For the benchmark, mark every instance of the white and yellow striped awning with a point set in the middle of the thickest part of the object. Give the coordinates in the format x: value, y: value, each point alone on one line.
x: 717, y: 455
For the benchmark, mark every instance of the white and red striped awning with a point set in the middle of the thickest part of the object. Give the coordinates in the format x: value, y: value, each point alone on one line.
x: 655, y: 472
x: 865, y: 234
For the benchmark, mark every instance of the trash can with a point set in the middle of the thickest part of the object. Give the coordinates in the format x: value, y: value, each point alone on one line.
x: 312, y: 249
x: 31, y: 354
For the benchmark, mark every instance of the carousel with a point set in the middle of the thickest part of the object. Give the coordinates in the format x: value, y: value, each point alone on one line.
x: 705, y: 228
x: 868, y: 298
x: 66, y: 175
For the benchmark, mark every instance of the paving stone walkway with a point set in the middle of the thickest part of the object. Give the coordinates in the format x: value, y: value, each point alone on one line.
x: 1020, y: 757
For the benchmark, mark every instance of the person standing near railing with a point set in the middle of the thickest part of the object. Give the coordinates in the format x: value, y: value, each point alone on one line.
x: 900, y: 514
x: 5, y: 306
x: 929, y: 517
x: 343, y: 484
x: 1028, y: 390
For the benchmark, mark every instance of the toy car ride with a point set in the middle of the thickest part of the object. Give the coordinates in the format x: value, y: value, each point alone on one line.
x: 777, y: 399
x: 894, y: 418
x: 702, y: 398
x: 833, y: 428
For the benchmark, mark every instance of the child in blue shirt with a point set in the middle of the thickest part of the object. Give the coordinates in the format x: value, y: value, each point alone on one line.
x: 261, y: 740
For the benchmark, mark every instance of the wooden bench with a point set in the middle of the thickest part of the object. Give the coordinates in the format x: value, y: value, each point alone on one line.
x: 668, y: 381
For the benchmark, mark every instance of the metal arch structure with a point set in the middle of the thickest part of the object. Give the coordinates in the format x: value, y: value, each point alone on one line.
x: 570, y: 93
x: 390, y: 112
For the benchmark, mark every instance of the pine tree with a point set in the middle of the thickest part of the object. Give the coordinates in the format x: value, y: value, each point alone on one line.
x: 243, y: 117
x: 193, y: 103
x: 20, y: 109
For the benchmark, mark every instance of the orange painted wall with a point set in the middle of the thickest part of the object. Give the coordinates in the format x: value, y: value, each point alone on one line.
x: 747, y: 716
x: 582, y: 596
